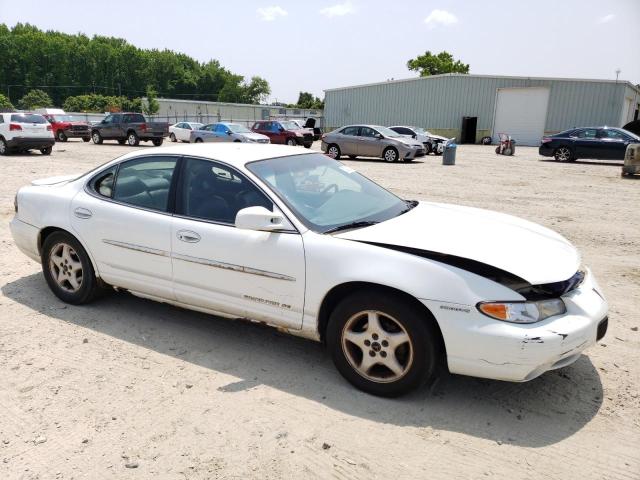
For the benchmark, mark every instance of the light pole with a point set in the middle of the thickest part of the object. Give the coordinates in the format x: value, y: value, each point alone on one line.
x: 617, y: 73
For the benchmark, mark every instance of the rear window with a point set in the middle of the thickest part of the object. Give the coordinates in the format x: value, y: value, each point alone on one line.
x: 27, y: 118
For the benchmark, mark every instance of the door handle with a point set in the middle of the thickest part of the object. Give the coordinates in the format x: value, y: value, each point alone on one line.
x: 188, y: 236
x: 82, y: 213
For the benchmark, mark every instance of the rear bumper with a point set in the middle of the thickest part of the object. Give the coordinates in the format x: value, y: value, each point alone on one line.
x: 25, y: 237
x: 31, y: 142
x: 546, y: 150
x: 481, y: 347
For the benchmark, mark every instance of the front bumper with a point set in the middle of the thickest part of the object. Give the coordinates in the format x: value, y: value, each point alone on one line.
x: 25, y: 237
x: 31, y: 142
x: 482, y: 347
x: 77, y: 133
x: 305, y: 141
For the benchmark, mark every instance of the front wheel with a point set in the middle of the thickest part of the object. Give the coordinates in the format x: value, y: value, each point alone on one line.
x: 563, y: 154
x: 122, y: 141
x: 157, y: 141
x: 291, y: 142
x: 173, y: 138
x: 86, y: 139
x: 381, y: 344
x: 198, y: 140
x: 96, y: 137
x: 390, y: 155
x: 61, y: 136
x: 68, y: 270
x: 132, y: 139
x: 46, y: 150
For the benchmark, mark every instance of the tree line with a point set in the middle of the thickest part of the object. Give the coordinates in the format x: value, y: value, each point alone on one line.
x: 65, y: 65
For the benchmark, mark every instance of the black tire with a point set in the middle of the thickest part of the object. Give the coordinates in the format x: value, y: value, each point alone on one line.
x: 291, y: 142
x: 308, y: 145
x: 60, y: 136
x: 173, y: 138
x: 4, y: 148
x: 333, y: 151
x: 421, y: 353
x: 46, y: 150
x: 353, y: 157
x: 198, y: 140
x: 122, y: 141
x: 427, y: 149
x: 132, y: 139
x: 157, y: 141
x: 88, y: 284
x: 508, y: 152
x: 563, y: 154
x: 390, y: 155
x: 96, y: 137
x: 86, y: 139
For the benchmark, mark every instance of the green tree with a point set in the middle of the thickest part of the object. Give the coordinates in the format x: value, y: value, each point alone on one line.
x: 35, y: 99
x: 5, y: 104
x: 430, y: 64
x: 151, y: 106
x: 257, y: 90
x: 308, y: 101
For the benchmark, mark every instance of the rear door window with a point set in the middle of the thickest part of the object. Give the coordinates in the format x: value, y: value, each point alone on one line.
x: 587, y: 133
x: 353, y: 131
x: 145, y: 182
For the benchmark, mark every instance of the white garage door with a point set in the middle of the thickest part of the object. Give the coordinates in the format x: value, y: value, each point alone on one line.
x: 522, y: 113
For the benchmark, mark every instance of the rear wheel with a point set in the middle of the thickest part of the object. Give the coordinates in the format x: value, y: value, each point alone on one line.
x: 4, y: 148
x: 61, y: 136
x: 291, y: 142
x: 173, y: 138
x: 334, y: 151
x: 86, y: 139
x: 46, y: 150
x: 68, y: 270
x: 382, y: 344
x: 122, y: 141
x: 96, y: 137
x: 563, y: 154
x: 353, y: 157
x: 157, y: 141
x: 132, y: 139
x: 390, y: 155
x: 198, y: 140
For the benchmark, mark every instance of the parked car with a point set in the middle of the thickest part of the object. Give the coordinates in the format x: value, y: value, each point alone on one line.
x: 227, y: 132
x: 181, y: 131
x: 432, y: 143
x: 284, y: 132
x: 129, y: 128
x: 603, y: 143
x: 65, y: 126
x: 371, y: 141
x: 299, y: 241
x: 22, y: 132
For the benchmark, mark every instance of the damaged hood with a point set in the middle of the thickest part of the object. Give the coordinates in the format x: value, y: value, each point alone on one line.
x: 525, y: 249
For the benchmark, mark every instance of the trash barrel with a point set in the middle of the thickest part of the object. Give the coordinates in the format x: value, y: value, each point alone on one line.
x: 449, y: 155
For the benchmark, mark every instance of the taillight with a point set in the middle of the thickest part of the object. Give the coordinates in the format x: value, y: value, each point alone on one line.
x: 546, y: 139
x: 14, y: 126
x: 49, y: 127
x: 143, y: 127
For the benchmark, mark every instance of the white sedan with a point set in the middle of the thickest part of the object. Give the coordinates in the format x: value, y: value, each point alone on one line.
x: 398, y: 289
x: 181, y: 131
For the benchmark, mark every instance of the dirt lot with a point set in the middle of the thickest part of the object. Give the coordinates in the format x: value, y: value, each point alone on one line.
x: 90, y: 392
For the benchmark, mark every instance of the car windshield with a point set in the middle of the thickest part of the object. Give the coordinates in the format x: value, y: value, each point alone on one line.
x: 237, y: 128
x: 387, y: 132
x: 27, y: 118
x: 63, y: 118
x: 289, y: 125
x: 326, y: 195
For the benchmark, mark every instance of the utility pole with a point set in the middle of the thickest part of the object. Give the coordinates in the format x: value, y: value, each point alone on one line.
x: 617, y: 73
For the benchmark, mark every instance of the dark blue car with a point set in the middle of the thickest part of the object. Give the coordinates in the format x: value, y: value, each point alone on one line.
x: 603, y: 143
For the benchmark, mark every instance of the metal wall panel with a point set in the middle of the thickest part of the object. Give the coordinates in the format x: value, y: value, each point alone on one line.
x: 440, y: 102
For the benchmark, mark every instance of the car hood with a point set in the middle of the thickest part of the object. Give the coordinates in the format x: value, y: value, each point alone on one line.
x: 254, y: 135
x: 437, y: 137
x: 408, y: 141
x: 522, y: 248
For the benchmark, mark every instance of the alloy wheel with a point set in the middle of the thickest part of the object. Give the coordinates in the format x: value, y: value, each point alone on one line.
x: 377, y: 346
x: 563, y: 154
x: 65, y: 267
x: 390, y: 155
x: 333, y: 151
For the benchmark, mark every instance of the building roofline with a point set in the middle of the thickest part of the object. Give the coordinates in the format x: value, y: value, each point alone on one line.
x: 466, y: 75
x: 255, y: 105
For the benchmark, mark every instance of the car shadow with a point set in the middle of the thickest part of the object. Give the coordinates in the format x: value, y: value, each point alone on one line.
x: 380, y: 160
x: 541, y: 412
x: 612, y: 163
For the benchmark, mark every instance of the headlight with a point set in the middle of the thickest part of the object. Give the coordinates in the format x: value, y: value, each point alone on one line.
x: 523, y: 312
x: 298, y: 134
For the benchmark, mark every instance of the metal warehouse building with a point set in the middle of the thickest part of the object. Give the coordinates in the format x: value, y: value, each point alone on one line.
x: 470, y: 107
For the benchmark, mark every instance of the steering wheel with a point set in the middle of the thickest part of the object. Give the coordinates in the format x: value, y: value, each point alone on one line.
x: 329, y: 187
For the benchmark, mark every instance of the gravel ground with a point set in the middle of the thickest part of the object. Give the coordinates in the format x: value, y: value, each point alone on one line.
x: 127, y: 388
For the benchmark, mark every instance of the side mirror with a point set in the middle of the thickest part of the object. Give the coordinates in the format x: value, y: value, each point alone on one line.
x: 379, y: 136
x: 414, y: 136
x: 281, y: 129
x: 259, y: 218
x: 229, y: 132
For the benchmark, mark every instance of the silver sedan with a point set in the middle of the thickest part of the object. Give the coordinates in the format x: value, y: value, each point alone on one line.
x: 227, y: 132
x: 371, y: 141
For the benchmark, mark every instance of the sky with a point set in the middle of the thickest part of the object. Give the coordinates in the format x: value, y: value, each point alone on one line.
x: 321, y: 44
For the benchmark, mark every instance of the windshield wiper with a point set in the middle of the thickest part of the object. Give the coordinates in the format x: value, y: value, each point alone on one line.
x: 349, y: 226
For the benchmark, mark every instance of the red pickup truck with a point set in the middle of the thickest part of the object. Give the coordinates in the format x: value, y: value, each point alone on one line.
x: 66, y: 126
x: 284, y: 132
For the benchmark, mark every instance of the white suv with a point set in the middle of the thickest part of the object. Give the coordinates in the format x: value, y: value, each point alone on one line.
x: 25, y: 131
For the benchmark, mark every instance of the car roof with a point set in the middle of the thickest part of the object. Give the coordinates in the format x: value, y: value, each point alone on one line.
x: 234, y: 154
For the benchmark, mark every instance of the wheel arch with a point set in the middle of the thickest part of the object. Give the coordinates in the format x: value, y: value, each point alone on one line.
x: 47, y: 231
x: 343, y: 290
